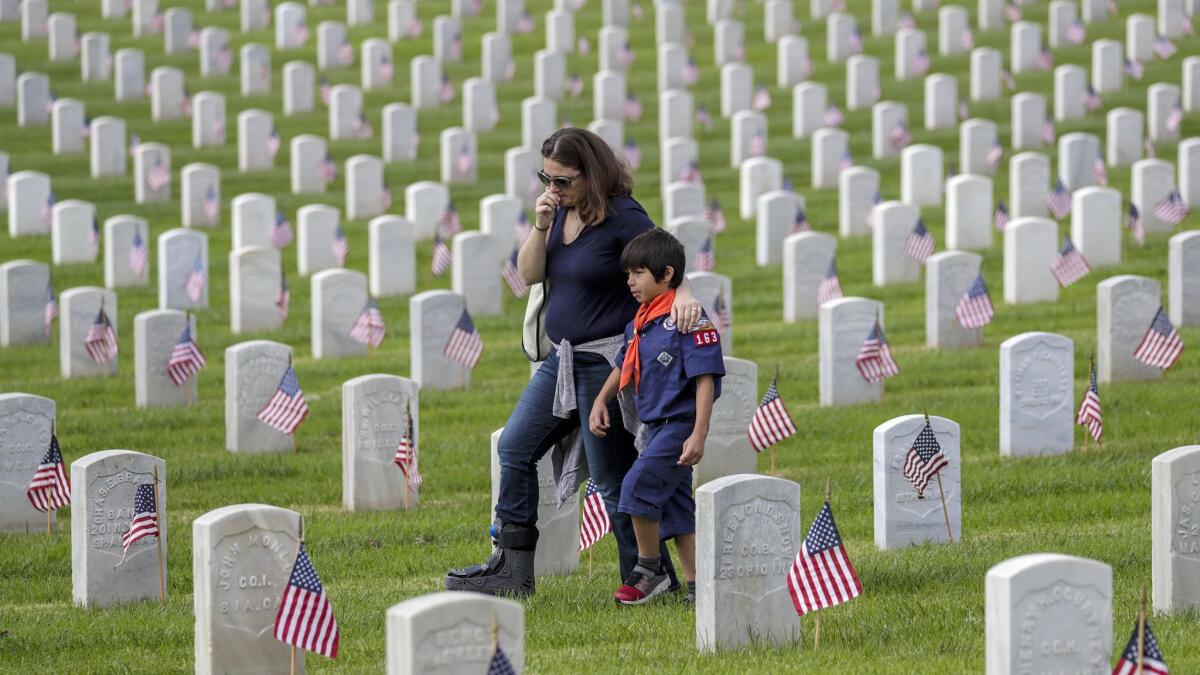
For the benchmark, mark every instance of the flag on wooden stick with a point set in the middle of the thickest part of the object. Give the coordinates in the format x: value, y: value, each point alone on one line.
x: 1089, y: 409
x: 50, y: 488
x: 595, y: 522
x: 305, y: 617
x: 771, y: 422
x: 822, y: 576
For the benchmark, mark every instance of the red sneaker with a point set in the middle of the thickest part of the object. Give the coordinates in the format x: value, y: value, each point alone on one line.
x: 640, y: 587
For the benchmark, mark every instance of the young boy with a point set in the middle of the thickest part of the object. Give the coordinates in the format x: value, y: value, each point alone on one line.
x: 675, y: 378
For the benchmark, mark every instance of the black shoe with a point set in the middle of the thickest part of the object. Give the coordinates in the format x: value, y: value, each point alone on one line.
x: 508, y: 572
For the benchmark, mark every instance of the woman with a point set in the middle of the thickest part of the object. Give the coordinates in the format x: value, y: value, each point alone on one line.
x: 583, y: 221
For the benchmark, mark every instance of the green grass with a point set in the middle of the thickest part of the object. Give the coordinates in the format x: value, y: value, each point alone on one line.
x: 923, y: 607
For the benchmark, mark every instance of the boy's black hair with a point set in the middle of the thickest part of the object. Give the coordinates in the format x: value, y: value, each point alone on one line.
x: 655, y: 251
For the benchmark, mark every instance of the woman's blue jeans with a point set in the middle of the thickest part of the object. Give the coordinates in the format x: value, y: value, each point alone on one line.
x: 532, y: 430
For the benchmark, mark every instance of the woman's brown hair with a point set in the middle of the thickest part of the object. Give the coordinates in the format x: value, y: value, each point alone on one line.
x: 606, y: 175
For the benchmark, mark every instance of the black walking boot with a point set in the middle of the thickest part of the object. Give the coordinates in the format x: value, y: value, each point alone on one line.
x: 509, y: 571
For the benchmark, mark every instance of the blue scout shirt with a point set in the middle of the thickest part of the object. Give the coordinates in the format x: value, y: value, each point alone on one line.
x: 670, y: 363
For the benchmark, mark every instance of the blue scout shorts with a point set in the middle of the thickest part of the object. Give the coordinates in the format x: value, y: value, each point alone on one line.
x: 656, y: 487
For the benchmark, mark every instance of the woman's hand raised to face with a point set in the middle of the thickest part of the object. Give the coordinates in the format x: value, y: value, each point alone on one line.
x: 544, y: 209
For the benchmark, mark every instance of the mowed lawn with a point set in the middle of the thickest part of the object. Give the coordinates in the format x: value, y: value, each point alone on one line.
x: 922, y: 609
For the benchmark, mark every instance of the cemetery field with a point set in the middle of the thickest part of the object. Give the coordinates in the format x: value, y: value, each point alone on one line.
x: 922, y: 608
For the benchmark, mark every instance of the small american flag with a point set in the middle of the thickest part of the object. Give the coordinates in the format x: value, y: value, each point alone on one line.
x: 50, y: 488
x: 834, y: 116
x: 762, y: 98
x: 1171, y: 209
x: 1100, y: 172
x: 94, y: 235
x: 771, y: 422
x: 159, y: 176
x: 415, y: 28
x: 406, y: 451
x: 1175, y: 118
x: 362, y: 128
x: 224, y: 58
x: 1059, y: 201
x: 964, y: 109
x: 273, y: 143
x: 715, y: 216
x: 328, y: 169
x: 133, y: 144
x: 920, y: 62
x: 101, y: 340
x: 703, y: 118
x: 967, y: 39
x: 145, y: 519
x: 287, y: 407
x: 500, y: 665
x: 758, y: 144
x: 1148, y: 146
x: 85, y: 130
x: 691, y: 174
x: 633, y: 108
x: 464, y: 345
x: 831, y: 286
x: 446, y: 90
x: 869, y: 219
x: 50, y: 311
x: 1134, y: 69
x: 1164, y: 48
x: 465, y: 161
x: 924, y: 460
x: 905, y: 20
x: 525, y: 23
x: 139, y: 255
x: 1048, y: 134
x: 799, y: 223
x: 185, y: 104
x: 822, y: 575
x: 847, y: 160
x: 633, y: 156
x: 995, y: 154
x: 283, y: 296
x: 1075, y: 33
x: 919, y: 244
x: 369, y: 328
x: 1133, y: 221
x: 305, y: 617
x: 721, y: 317
x: 691, y: 72
x: 1007, y: 78
x: 900, y: 136
x: 706, y: 260
x: 584, y: 46
x: 874, y: 360
x: 299, y: 34
x: 197, y: 280
x: 449, y: 224
x: 1089, y: 409
x: 280, y: 233
x: 625, y: 56
x: 1161, y: 345
x: 1152, y: 660
x: 441, y: 256
x: 595, y: 522
x: 48, y: 210
x: 1044, y: 60
x: 345, y: 53
x: 212, y: 205
x: 384, y: 70
x: 186, y: 358
x: 1070, y: 265
x: 339, y: 246
x: 385, y: 197
x: 975, y: 309
x: 574, y: 86
x: 1092, y: 100
x: 326, y: 91
x: 855, y: 41
x: 512, y: 276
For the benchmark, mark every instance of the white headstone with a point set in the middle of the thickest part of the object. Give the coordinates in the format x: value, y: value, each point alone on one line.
x: 539, y: 119
x: 890, y: 264
x: 255, y: 70
x: 33, y: 98
x: 748, y: 136
x: 909, y: 47
x: 71, y: 238
x: 1140, y: 36
x: 1124, y: 142
x: 1161, y: 101
x: 954, y: 35
x: 737, y: 88
x: 793, y: 63
x: 840, y: 33
x: 1183, y: 285
x: 316, y: 229
x: 28, y: 194
x: 307, y: 157
x: 298, y: 80
x: 216, y: 54
x: 200, y: 195
x: 857, y: 188
x: 986, y: 67
x: 1175, y: 553
x: 558, y: 526
x: 459, y: 152
x: 432, y: 316
x: 23, y: 285
x: 391, y: 256
x: 177, y: 30
x: 424, y: 204
x: 830, y: 147
x: 746, y: 529
x: 842, y: 326
x: 334, y: 50
x: 255, y: 276
x: 338, y: 297
x: 291, y: 25
x: 756, y: 177
x: 26, y: 422
x: 921, y: 175
x: 425, y: 77
x: 1078, y: 154
x: 1026, y: 45
x: 1037, y: 395
x: 148, y: 160
x: 903, y: 517
x: 948, y: 276
x: 968, y: 212
x: 1125, y: 306
x: 1153, y: 180
x: 1070, y: 90
x: 155, y: 333
x: 119, y: 234
x: 1030, y: 247
x: 374, y: 409
x: 1028, y: 185
x: 1108, y: 66
x: 79, y: 308
x: 1191, y: 84
x: 95, y: 57
x: 479, y: 105
x: 728, y: 450
x: 453, y: 631
x: 346, y: 120
x: 399, y: 133
x: 806, y: 258
x: 941, y: 102
x: 130, y: 80
x: 886, y: 117
x: 1028, y: 120
x: 365, y: 187
x: 108, y: 151
x: 774, y: 215
x: 182, y: 255
x: 61, y: 36
x: 1096, y: 225
x: 67, y: 127
x: 1189, y: 172
x: 168, y: 100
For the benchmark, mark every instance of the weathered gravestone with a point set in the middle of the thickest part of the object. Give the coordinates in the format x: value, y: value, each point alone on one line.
x: 256, y: 134
x: 921, y: 170
x: 857, y: 189
x: 1028, y: 184
x: 424, y: 203
x: 168, y: 100
x: 103, y: 485
x: 391, y: 256
x: 1037, y: 395
x: 756, y: 177
x: 338, y: 297
x: 317, y: 227
x: 1153, y: 180
x: 308, y: 164
x: 806, y: 258
x: 182, y: 261
x: 1096, y: 225
x: 155, y: 333
x: 948, y: 276
x: 1078, y: 154
x: 862, y: 82
x: 33, y: 97
x: 67, y: 127
x: 71, y: 239
x: 890, y: 263
x: 299, y: 78
x: 365, y: 187
x: 24, y: 285
x: 26, y: 422
x: 152, y: 173
x: 1048, y: 613
x: 1030, y: 247
x: 130, y: 80
x: 904, y: 517
x: 986, y: 66
x: 254, y: 216
x: 558, y: 525
x: 1175, y: 529
x: 451, y: 632
x: 476, y: 267
x: 374, y: 413
x: 400, y: 137
x: 432, y: 316
x: 776, y: 213
x: 728, y: 450
x: 28, y: 194
x: 747, y: 534
x: 252, y: 374
x: 79, y: 308
x: 842, y: 326
x: 242, y: 558
x: 1028, y: 120
x: 255, y: 276
x: 1125, y: 306
x: 1183, y: 285
x: 200, y: 195
x: 969, y: 212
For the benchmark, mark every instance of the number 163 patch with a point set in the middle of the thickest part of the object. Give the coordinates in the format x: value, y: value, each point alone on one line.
x: 706, y: 337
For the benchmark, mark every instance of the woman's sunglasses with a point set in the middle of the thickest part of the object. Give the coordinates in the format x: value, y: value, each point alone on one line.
x: 560, y: 182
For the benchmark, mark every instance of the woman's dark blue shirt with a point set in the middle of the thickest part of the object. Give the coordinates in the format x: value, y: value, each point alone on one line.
x: 588, y: 295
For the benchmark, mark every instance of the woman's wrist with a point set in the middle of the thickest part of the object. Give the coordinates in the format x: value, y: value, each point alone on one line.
x: 540, y: 229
